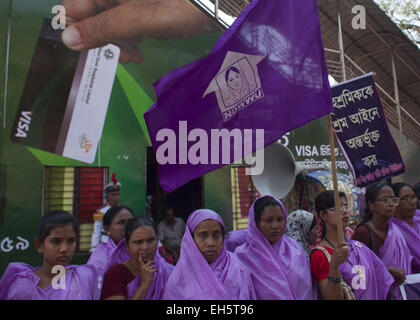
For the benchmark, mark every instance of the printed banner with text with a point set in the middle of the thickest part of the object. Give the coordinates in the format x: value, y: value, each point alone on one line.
x: 362, y: 130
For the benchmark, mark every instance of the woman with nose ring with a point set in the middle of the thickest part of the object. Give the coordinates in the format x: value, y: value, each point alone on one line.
x: 144, y: 275
x: 279, y: 266
x: 205, y: 269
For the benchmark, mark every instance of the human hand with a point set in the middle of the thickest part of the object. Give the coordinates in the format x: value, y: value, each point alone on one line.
x: 95, y: 23
x: 340, y: 255
x: 146, y: 270
x: 398, y: 274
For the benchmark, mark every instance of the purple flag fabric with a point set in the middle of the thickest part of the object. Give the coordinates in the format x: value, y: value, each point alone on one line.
x: 160, y: 279
x: 394, y: 252
x: 193, y: 278
x: 412, y: 239
x: 374, y: 282
x: 265, y: 76
x: 19, y: 282
x: 235, y: 238
x: 101, y: 256
x: 280, y: 270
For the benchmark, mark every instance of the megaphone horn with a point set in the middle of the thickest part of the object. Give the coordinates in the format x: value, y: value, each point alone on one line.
x: 280, y: 171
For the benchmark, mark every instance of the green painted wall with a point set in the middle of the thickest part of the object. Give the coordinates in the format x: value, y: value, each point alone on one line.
x: 123, y: 144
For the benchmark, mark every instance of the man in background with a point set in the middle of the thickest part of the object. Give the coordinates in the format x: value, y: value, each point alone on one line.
x: 170, y: 232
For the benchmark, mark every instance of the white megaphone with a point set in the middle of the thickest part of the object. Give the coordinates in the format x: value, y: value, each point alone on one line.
x: 280, y: 171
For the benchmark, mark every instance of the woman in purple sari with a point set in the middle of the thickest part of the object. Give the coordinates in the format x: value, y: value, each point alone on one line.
x: 54, y: 279
x: 404, y: 219
x: 279, y: 266
x: 144, y: 275
x: 350, y: 270
x: 380, y: 233
x: 205, y: 270
x: 114, y: 223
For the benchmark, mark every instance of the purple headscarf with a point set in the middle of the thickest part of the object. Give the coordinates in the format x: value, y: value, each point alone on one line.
x: 280, y: 270
x: 19, y: 282
x: 394, y: 252
x: 378, y: 280
x: 412, y: 240
x: 235, y: 238
x: 107, y: 254
x: 194, y: 279
x: 160, y: 279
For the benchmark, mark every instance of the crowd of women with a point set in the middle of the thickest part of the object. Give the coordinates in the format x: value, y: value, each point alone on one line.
x: 276, y: 257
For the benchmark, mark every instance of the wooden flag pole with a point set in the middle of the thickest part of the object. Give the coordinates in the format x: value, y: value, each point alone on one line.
x: 335, y: 183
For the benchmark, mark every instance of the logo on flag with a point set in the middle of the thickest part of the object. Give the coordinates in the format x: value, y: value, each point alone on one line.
x: 237, y: 84
x: 263, y: 75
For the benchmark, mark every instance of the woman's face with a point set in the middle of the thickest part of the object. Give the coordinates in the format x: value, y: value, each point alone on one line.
x: 234, y: 80
x: 59, y: 246
x: 208, y: 236
x: 330, y: 215
x: 408, y: 202
x: 116, y: 229
x: 142, y: 244
x: 272, y: 223
x: 383, y: 205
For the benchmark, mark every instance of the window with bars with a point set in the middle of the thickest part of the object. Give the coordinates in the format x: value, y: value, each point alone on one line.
x: 243, y: 195
x: 78, y: 190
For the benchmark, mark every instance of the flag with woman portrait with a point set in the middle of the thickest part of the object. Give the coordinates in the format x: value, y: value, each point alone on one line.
x: 266, y: 72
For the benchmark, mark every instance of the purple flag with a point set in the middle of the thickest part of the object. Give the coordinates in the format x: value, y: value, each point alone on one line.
x: 265, y: 76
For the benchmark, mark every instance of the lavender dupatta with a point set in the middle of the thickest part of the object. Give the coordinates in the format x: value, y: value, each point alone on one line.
x: 235, y: 238
x: 158, y: 284
x: 280, y: 270
x: 194, y: 279
x: 378, y: 280
x: 416, y: 221
x: 412, y: 240
x: 107, y: 254
x: 394, y: 252
x: 19, y: 282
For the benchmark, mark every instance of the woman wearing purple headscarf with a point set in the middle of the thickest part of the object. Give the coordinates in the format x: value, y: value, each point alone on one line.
x: 54, y: 279
x: 345, y: 271
x: 279, y: 266
x: 144, y: 275
x: 114, y: 222
x: 380, y: 233
x: 205, y: 270
x: 404, y: 220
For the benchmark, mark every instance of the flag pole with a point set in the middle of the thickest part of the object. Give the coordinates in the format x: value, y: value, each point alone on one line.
x: 335, y: 183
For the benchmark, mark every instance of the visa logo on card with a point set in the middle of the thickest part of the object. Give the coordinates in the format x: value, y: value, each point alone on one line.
x: 65, y: 98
